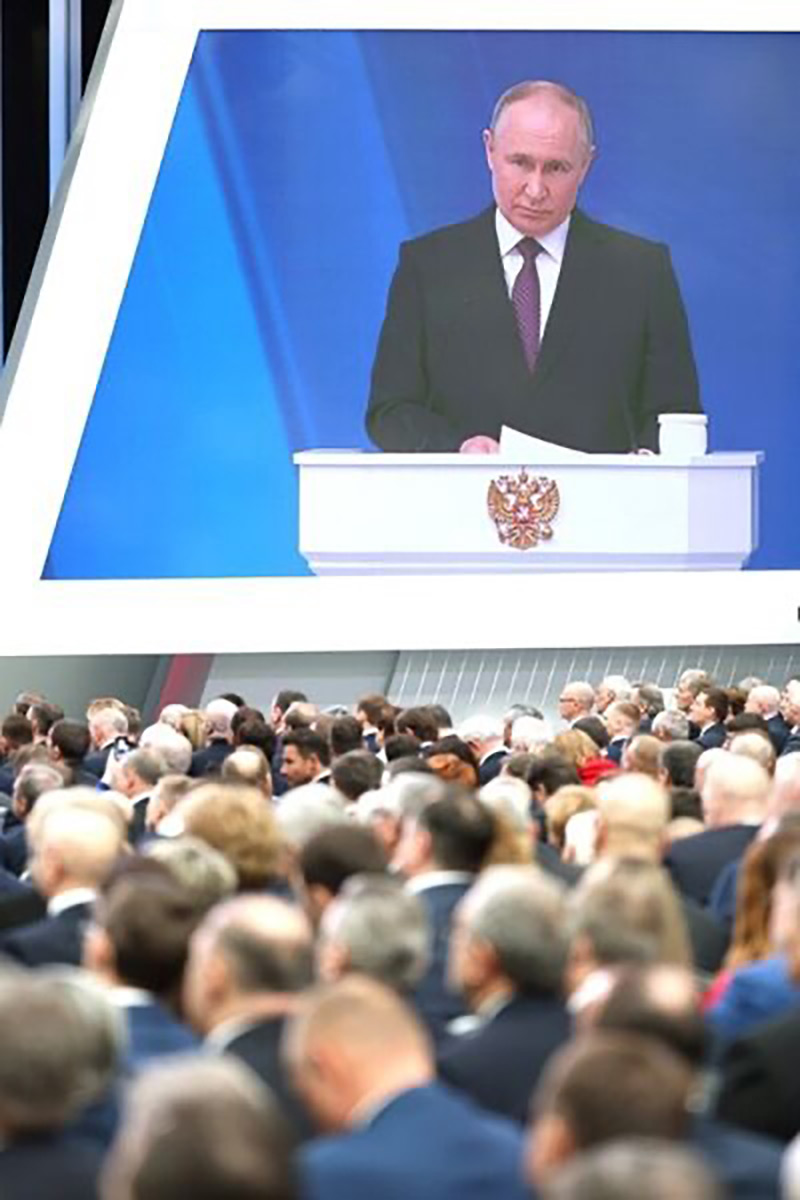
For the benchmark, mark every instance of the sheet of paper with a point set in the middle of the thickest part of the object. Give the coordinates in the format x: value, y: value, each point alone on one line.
x: 531, y: 449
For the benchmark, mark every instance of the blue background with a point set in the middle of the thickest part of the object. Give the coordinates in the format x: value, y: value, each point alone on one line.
x: 297, y: 163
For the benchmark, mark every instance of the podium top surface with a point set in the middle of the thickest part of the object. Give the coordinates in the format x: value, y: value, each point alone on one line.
x: 647, y: 462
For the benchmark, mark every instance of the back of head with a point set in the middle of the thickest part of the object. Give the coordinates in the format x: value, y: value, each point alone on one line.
x: 71, y: 739
x: 735, y: 790
x: 420, y: 721
x: 519, y: 913
x: 671, y: 726
x: 238, y: 822
x: 576, y: 747
x: 549, y: 772
x: 679, y: 760
x: 266, y: 941
x: 331, y: 856
x: 57, y: 1051
x: 628, y: 912
x: 757, y: 746
x: 200, y: 1127
x: 647, y: 1099
x: 308, y: 809
x: 249, y: 767
x: 461, y: 830
x: 346, y: 735
x: 377, y: 928
x: 148, y: 921
x: 511, y: 798
x: 660, y: 1001
x: 631, y: 1168
x: 174, y: 750
x: 563, y: 805
x: 73, y: 847
x: 643, y: 755
x: 218, y: 714
x: 634, y: 811
x: 594, y: 727
x: 357, y: 772
x: 205, y: 874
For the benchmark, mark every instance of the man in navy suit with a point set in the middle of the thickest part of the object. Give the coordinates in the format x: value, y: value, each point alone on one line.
x: 73, y: 851
x: 764, y: 701
x: 709, y: 712
x: 735, y: 793
x: 137, y: 946
x: 661, y: 1002
x: 248, y: 961
x: 791, y: 711
x: 507, y: 955
x: 605, y: 346
x: 208, y: 761
x: 32, y: 782
x: 108, y: 729
x: 441, y: 850
x: 484, y: 736
x: 364, y: 1067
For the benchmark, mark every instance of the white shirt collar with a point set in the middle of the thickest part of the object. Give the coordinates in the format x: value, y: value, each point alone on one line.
x: 70, y: 899
x: 432, y: 879
x: 508, y: 238
x: 130, y: 997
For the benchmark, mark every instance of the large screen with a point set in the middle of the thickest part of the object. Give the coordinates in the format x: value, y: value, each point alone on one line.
x: 243, y: 299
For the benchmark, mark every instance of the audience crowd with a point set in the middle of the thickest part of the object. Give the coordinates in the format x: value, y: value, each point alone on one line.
x: 313, y: 954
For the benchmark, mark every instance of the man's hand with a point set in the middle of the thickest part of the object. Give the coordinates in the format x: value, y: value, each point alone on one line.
x: 480, y: 444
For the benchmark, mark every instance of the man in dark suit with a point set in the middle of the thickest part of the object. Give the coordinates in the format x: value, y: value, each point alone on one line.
x: 440, y: 852
x: 760, y: 1087
x: 735, y: 793
x: 108, y: 730
x: 507, y: 954
x: 363, y: 1065
x: 73, y: 852
x: 764, y: 701
x: 32, y: 782
x: 484, y: 736
x: 208, y: 761
x: 708, y: 713
x: 532, y: 315
x: 248, y: 961
x: 791, y: 711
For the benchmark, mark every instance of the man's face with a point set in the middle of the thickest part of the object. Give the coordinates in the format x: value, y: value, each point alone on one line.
x: 538, y: 159
x: 791, y: 703
x: 700, y: 712
x: 604, y: 697
x: 299, y: 770
x: 684, y: 697
x: 568, y: 706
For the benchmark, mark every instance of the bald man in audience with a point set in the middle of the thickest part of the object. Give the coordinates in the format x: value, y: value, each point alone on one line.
x: 735, y: 792
x: 249, y: 961
x: 364, y: 1067
x: 74, y: 850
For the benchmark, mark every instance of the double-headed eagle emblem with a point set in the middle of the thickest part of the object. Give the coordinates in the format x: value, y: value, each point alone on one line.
x: 523, y: 508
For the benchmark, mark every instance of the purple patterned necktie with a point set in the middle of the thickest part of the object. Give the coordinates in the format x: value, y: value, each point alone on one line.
x: 525, y: 297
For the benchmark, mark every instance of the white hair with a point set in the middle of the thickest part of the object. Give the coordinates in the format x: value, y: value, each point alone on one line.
x: 580, y: 837
x: 171, y: 714
x: 529, y: 732
x: 110, y: 721
x: 765, y: 697
x: 175, y: 749
x: 308, y: 809
x: 512, y: 799
x: 481, y: 728
x: 619, y: 686
x: 218, y: 715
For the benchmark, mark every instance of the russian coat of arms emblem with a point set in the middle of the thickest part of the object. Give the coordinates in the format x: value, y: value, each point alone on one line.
x: 523, y: 507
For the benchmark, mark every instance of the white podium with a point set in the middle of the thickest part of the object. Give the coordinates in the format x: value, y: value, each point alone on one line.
x: 410, y: 514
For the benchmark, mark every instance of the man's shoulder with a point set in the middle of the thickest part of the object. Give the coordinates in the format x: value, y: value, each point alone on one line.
x: 451, y: 239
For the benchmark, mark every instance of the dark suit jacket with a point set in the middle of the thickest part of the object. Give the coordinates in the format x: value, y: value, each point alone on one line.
x: 760, y: 1087
x: 747, y: 1166
x: 709, y: 939
x: 435, y: 1001
x: 778, y: 731
x: 695, y: 862
x: 20, y: 904
x: 499, y: 1064
x: 49, y: 1167
x: 428, y: 1143
x: 713, y: 737
x: 209, y: 760
x: 259, y: 1048
x: 616, y: 350
x: 491, y: 767
x: 153, y: 1032
x: 14, y: 850
x: 56, y: 939
x: 614, y: 750
x: 792, y: 744
x: 95, y: 761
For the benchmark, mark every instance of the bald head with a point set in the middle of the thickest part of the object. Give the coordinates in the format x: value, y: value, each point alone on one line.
x: 633, y: 814
x: 74, y: 848
x: 351, y: 1040
x: 735, y: 791
x: 250, y: 956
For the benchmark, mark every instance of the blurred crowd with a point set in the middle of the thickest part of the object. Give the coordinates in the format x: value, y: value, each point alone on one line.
x: 293, y: 952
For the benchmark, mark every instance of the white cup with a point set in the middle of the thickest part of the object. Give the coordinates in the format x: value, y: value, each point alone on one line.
x: 682, y: 435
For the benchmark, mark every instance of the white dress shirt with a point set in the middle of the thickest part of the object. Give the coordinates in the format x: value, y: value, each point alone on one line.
x: 548, y: 264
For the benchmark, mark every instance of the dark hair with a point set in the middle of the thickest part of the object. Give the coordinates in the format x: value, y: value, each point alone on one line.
x: 308, y: 743
x: 737, y: 698
x: 18, y: 730
x: 373, y: 706
x: 685, y: 802
x: 72, y: 739
x: 409, y: 762
x: 287, y: 696
x: 149, y: 921
x: 651, y: 698
x: 357, y: 772
x: 596, y: 729
x: 551, y: 771
x: 716, y: 699
x: 400, y: 745
x: 419, y: 721
x: 245, y: 713
x: 453, y: 745
x: 679, y: 760
x: 45, y: 715
x: 441, y: 716
x: 233, y: 698
x: 647, y: 1097
x: 633, y: 1006
x: 346, y: 734
x: 745, y: 722
x: 254, y: 731
x: 461, y: 830
x: 331, y: 856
